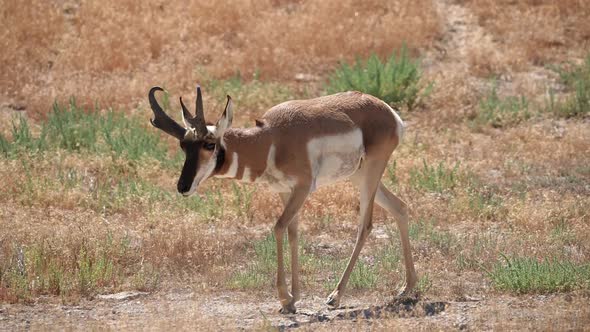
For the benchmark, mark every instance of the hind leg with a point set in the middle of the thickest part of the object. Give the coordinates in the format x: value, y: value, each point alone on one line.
x: 368, y: 182
x: 399, y: 210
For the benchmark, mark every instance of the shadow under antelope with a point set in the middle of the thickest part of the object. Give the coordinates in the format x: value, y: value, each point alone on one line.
x: 296, y: 147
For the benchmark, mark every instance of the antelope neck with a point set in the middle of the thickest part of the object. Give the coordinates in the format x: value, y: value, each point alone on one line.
x: 237, y: 157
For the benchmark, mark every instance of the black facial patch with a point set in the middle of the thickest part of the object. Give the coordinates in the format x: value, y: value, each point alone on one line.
x: 191, y: 163
x: 220, y: 159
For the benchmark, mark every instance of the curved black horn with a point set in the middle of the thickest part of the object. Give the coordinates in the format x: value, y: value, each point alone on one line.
x: 162, y: 120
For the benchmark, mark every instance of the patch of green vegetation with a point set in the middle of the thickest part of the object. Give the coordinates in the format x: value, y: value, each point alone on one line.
x: 562, y: 233
x: 248, y: 94
x: 209, y: 204
x: 113, y: 188
x: 261, y: 270
x: 22, y: 137
x: 392, y: 173
x: 434, y: 178
x: 577, y: 79
x: 74, y: 129
x: 325, y: 220
x: 397, y: 81
x: 529, y: 275
x: 250, y: 278
x: 94, y: 270
x: 476, y: 250
x: 502, y: 112
x: 242, y: 200
x: 440, y: 240
x: 424, y: 284
x: 485, y: 203
x: 390, y: 256
x: 363, y: 276
x: 43, y: 268
x: 146, y: 279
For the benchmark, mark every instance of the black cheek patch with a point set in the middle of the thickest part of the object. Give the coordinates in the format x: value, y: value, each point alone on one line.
x: 189, y: 170
x: 220, y: 159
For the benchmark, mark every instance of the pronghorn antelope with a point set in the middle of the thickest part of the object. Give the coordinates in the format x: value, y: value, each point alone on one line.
x: 296, y: 147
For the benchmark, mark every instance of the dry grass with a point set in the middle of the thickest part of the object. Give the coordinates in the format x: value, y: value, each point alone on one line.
x: 92, y: 50
x: 532, y: 32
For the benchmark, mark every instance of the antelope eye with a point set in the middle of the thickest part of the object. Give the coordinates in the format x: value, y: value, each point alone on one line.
x: 209, y: 146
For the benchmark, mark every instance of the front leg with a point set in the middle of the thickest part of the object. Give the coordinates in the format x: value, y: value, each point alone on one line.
x: 293, y: 203
x: 292, y: 232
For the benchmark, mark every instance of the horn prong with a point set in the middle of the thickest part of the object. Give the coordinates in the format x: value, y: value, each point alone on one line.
x: 188, y: 117
x: 199, y: 119
x: 199, y: 103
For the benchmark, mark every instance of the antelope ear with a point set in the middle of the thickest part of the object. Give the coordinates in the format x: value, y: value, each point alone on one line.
x: 226, y: 119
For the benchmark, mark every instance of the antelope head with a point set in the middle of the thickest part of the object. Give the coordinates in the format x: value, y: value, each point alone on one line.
x: 202, y: 144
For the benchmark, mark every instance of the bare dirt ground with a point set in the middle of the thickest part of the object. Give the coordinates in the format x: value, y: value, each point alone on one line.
x: 191, y: 307
x: 187, y: 310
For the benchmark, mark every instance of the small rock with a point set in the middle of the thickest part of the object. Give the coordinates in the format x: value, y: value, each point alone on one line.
x: 122, y: 296
x: 471, y: 299
x: 306, y: 77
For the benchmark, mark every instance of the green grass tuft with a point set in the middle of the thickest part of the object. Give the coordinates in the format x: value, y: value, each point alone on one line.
x: 74, y: 129
x: 434, y: 178
x: 577, y: 79
x: 261, y: 269
x: 242, y: 200
x: 248, y: 94
x: 440, y: 240
x: 529, y: 275
x: 502, y: 112
x: 43, y: 268
x: 397, y: 81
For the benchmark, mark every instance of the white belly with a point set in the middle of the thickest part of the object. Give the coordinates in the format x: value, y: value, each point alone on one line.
x: 335, y: 157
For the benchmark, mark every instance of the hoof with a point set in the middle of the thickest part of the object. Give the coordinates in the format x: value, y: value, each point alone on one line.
x: 288, y: 309
x: 333, y: 301
x: 407, y: 296
x: 409, y: 290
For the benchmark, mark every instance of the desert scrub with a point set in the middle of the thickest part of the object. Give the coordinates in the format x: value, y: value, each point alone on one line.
x: 529, y: 275
x: 501, y: 112
x: 75, y: 268
x: 102, y: 184
x: 427, y: 236
x: 392, y: 174
x: 315, y: 269
x: 242, y: 200
x: 74, y: 129
x: 577, y: 80
x: 432, y: 178
x: 253, y: 94
x: 259, y: 271
x: 481, y: 200
x: 397, y: 81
